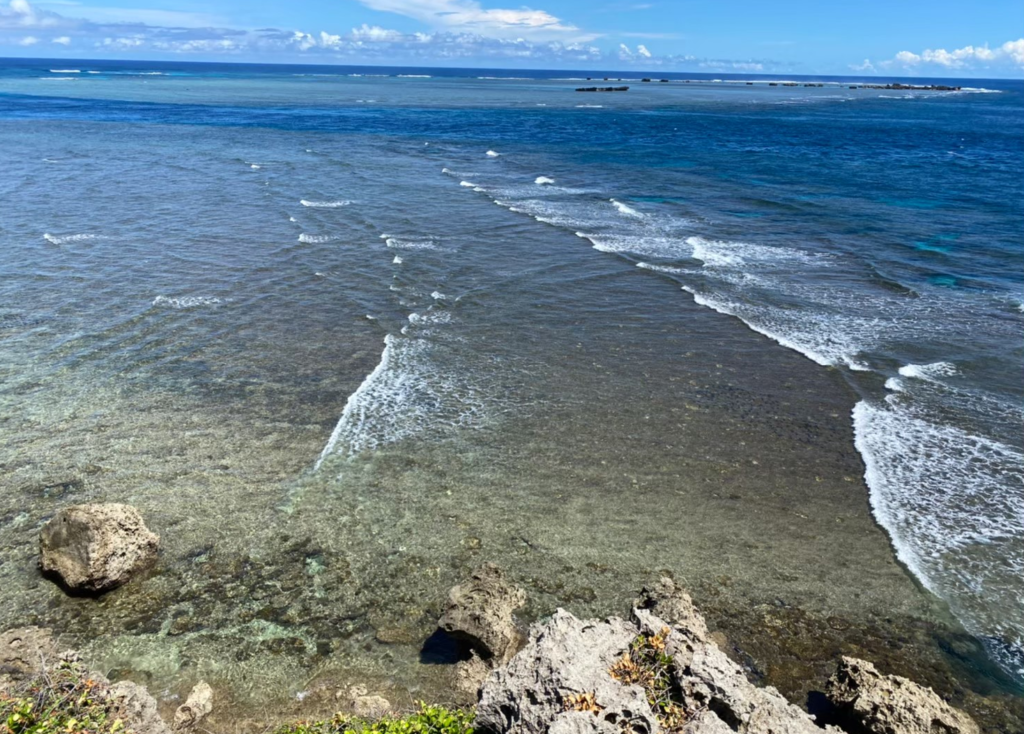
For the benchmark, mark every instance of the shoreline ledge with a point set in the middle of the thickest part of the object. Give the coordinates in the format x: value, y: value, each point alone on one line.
x: 658, y: 671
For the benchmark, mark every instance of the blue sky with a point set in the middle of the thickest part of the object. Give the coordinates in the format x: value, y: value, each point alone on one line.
x: 892, y: 38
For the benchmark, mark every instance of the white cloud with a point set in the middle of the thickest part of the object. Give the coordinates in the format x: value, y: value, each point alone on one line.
x: 462, y: 33
x: 470, y: 16
x: 375, y: 34
x: 627, y: 54
x: 865, y: 66
x: 29, y: 41
x: 968, y: 58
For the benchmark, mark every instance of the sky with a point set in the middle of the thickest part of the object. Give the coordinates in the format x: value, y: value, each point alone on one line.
x: 934, y: 38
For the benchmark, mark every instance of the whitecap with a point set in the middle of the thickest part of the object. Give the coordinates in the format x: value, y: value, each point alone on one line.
x: 493, y: 154
x: 542, y: 180
x: 931, y: 372
x: 397, y: 260
x: 315, y: 239
x: 325, y: 204
x: 65, y: 239
x: 186, y: 301
x: 625, y: 209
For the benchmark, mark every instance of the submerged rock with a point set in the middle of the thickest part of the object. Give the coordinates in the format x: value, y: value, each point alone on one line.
x: 95, y: 548
x: 890, y: 704
x: 365, y: 705
x: 480, y: 613
x: 197, y: 707
x: 24, y: 653
x: 137, y: 708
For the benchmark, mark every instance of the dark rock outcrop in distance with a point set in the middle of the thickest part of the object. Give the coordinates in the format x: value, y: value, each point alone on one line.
x: 871, y: 702
x: 896, y: 86
x: 645, y: 80
x: 96, y: 548
x: 602, y: 89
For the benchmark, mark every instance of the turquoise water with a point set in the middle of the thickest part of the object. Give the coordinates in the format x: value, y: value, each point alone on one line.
x: 343, y: 337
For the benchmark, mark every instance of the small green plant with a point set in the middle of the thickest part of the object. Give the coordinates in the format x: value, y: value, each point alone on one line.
x: 648, y: 665
x: 428, y: 720
x: 62, y: 701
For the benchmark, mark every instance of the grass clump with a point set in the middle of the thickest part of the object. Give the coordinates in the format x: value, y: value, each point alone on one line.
x: 428, y: 720
x: 62, y: 701
x: 648, y: 665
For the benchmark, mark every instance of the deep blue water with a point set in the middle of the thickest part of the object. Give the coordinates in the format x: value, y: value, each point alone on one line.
x: 875, y: 232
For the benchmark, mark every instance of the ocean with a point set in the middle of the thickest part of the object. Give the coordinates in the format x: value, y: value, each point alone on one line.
x: 344, y: 333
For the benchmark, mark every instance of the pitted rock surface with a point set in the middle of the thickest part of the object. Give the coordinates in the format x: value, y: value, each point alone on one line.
x: 565, y: 656
x: 890, y: 704
x: 95, y: 548
x: 480, y: 612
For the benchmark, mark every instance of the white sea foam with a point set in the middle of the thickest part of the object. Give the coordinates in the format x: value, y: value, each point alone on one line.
x: 186, y: 301
x: 397, y: 260
x: 255, y: 166
x: 412, y: 391
x: 493, y: 154
x: 931, y: 372
x: 438, y: 296
x: 325, y: 204
x: 397, y: 243
x: 65, y: 239
x: 414, y: 76
x: 625, y: 209
x: 942, y: 493
x: 543, y: 180
x: 315, y: 239
x: 65, y: 71
x: 468, y: 184
x: 823, y: 337
x: 590, y: 106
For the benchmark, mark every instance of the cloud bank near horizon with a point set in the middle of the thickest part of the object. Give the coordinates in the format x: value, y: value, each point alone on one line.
x: 456, y: 32
x: 1009, y: 56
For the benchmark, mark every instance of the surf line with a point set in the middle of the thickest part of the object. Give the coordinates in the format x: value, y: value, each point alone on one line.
x: 353, y: 404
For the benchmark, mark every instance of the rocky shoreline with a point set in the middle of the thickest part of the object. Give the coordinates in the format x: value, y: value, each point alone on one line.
x: 661, y: 669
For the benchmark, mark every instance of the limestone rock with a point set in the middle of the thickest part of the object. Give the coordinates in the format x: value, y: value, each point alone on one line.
x: 582, y: 722
x: 889, y: 704
x: 25, y: 652
x: 480, y: 611
x: 95, y: 548
x: 470, y: 675
x: 197, y: 707
x: 670, y: 603
x: 364, y: 705
x: 706, y: 722
x: 709, y: 680
x: 565, y: 657
x: 137, y: 709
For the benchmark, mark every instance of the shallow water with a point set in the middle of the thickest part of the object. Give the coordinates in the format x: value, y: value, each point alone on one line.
x: 339, y: 354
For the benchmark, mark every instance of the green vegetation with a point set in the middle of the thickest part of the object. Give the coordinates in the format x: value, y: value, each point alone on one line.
x: 649, y: 666
x: 428, y: 720
x: 63, y: 700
